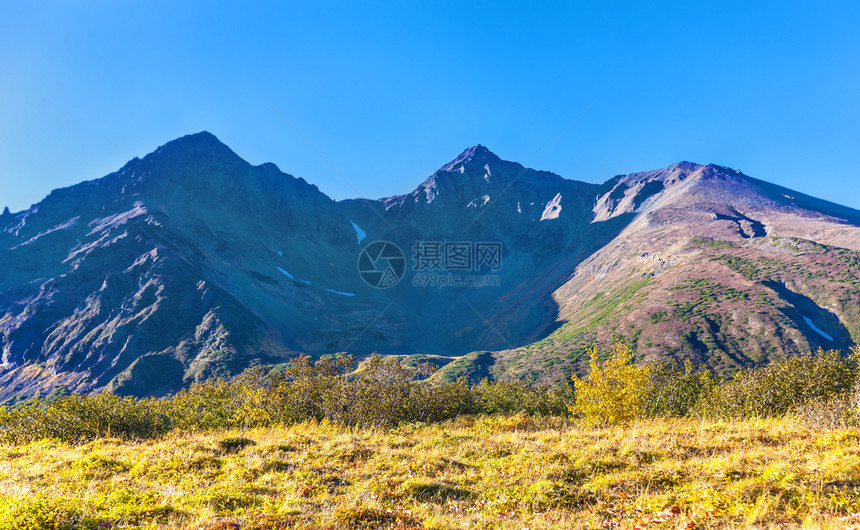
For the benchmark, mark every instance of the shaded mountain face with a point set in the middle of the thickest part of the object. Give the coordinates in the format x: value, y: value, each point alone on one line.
x: 191, y: 263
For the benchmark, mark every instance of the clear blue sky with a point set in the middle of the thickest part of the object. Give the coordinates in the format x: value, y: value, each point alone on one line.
x: 388, y: 92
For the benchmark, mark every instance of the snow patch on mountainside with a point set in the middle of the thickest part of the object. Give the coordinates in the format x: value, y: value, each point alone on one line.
x: 22, y: 220
x: 359, y: 233
x: 7, y: 356
x: 290, y: 276
x: 474, y: 202
x: 817, y: 329
x: 113, y: 221
x: 62, y: 226
x: 339, y: 292
x: 552, y: 209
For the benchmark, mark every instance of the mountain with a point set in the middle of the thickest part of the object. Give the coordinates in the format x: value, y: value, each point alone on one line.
x: 712, y: 266
x: 191, y: 263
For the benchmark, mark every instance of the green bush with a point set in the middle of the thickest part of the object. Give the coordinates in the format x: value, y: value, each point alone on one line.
x: 520, y: 397
x: 43, y: 514
x: 780, y: 387
x: 673, y: 389
x: 386, y: 393
x: 295, y: 393
x: 438, y: 402
x: 205, y: 406
x: 383, y: 393
x: 79, y: 418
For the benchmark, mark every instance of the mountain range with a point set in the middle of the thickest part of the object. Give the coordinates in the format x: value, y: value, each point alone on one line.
x: 191, y: 263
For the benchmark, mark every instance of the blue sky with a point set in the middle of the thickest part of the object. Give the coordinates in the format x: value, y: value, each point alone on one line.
x: 388, y: 92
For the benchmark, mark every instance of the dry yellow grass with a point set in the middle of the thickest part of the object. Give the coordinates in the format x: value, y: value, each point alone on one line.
x: 492, y: 472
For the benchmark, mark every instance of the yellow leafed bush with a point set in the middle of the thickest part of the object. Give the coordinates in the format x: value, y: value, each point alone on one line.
x: 614, y: 390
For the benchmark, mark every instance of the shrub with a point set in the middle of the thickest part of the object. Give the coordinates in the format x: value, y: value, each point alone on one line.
x: 385, y: 393
x: 80, y: 418
x: 520, y: 397
x: 438, y: 402
x: 613, y: 392
x: 43, y: 514
x: 205, y: 406
x: 780, y: 387
x: 282, y: 396
x: 658, y: 317
x: 834, y: 412
x: 380, y: 395
x: 673, y: 389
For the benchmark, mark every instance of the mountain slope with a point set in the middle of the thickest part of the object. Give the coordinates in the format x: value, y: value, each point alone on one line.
x: 191, y: 263
x: 713, y: 266
x: 152, y: 266
x: 541, y: 220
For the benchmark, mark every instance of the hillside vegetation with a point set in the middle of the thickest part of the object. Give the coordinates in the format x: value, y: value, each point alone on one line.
x: 315, y: 445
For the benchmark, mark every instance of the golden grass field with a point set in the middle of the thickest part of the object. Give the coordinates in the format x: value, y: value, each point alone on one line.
x: 484, y: 472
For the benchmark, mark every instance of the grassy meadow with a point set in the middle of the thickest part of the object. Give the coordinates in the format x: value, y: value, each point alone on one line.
x: 312, y: 445
x: 473, y: 472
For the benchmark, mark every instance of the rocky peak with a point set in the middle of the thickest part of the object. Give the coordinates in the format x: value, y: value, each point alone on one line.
x: 201, y: 141
x: 475, y: 156
x: 199, y: 149
x: 477, y: 166
x: 199, y: 167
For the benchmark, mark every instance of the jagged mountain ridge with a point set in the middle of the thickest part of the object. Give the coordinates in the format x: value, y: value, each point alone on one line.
x: 191, y: 263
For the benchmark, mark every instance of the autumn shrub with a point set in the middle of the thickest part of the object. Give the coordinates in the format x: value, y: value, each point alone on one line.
x: 834, y: 411
x: 443, y: 401
x: 380, y: 394
x: 613, y: 391
x: 299, y: 391
x: 386, y: 392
